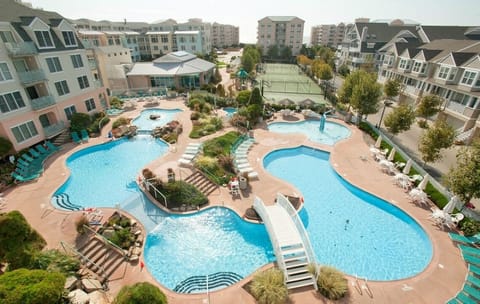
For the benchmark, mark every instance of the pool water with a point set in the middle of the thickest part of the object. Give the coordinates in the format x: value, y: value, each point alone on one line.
x: 350, y: 229
x: 214, y: 240
x: 104, y: 175
x: 332, y: 133
x: 230, y: 111
x: 143, y: 122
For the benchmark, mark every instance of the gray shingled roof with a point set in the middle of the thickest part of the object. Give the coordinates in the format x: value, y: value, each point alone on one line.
x: 460, y: 57
x: 381, y: 31
x: 435, y: 32
x: 10, y: 11
x: 281, y: 18
x: 175, y: 57
x: 172, y: 64
x: 446, y: 46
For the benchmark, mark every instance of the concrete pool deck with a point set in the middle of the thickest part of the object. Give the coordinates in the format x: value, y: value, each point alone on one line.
x: 440, y: 281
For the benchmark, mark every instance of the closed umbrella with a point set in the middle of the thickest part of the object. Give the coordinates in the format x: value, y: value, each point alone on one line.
x: 452, y: 204
x: 407, y: 167
x: 423, y: 183
x: 378, y: 142
x: 391, y: 156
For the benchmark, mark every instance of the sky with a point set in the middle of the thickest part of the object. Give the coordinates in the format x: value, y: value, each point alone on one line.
x: 246, y: 13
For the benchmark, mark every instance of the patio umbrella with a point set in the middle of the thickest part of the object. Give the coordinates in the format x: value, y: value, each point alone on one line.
x: 306, y: 103
x: 423, y: 183
x: 391, y: 156
x: 452, y: 204
x: 407, y: 167
x: 378, y: 142
x: 286, y: 102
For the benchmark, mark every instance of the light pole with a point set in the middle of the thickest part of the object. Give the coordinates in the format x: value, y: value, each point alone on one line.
x: 385, y: 104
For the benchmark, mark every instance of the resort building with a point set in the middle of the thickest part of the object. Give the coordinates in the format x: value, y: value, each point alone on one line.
x: 45, y: 75
x: 280, y: 31
x: 328, y: 34
x: 175, y: 70
x: 225, y: 35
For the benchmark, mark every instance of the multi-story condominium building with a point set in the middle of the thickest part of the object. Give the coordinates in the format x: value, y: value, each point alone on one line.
x: 45, y: 75
x: 281, y: 31
x: 449, y: 68
x: 328, y: 34
x: 224, y: 35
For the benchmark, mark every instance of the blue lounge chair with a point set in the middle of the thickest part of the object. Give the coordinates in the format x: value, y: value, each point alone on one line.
x: 22, y: 179
x: 471, y: 292
x: 52, y: 147
x: 75, y: 137
x: 23, y: 162
x: 473, y: 280
x: 471, y: 259
x: 474, y: 269
x: 464, y: 239
x: 462, y: 298
x: 84, y: 135
x: 34, y: 153
x: 27, y: 158
x: 42, y: 150
x: 470, y: 250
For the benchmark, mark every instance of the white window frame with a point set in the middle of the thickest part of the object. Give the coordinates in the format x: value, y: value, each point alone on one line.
x: 67, y: 40
x: 5, y: 74
x: 468, y: 77
x: 443, y: 72
x: 56, y: 64
x: 47, y: 40
x: 13, y: 102
x: 77, y: 61
x: 90, y: 104
x: 30, y: 128
x: 62, y: 87
x: 83, y: 82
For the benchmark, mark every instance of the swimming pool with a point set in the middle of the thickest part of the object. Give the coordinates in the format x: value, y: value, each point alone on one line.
x: 143, y: 121
x: 104, y: 175
x: 350, y: 229
x: 332, y: 133
x: 230, y: 111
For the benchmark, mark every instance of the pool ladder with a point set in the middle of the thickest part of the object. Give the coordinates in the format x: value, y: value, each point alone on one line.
x: 361, y: 285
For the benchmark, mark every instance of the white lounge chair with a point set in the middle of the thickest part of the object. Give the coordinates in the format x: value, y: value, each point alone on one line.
x: 245, y: 170
x: 189, y: 156
x: 183, y: 161
x: 253, y: 174
x: 244, y: 165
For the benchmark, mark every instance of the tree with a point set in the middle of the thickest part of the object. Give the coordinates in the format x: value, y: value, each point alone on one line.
x: 217, y: 77
x: 392, y: 88
x: 400, y: 119
x: 80, y: 121
x: 250, y: 57
x: 248, y: 62
x: 440, y: 136
x: 19, y: 241
x: 31, y: 287
x: 303, y: 60
x: 220, y: 90
x: 464, y: 179
x: 243, y: 97
x: 273, y: 51
x: 140, y: 293
x: 343, y: 70
x: 256, y: 97
x: 5, y: 147
x: 268, y: 287
x: 286, y: 52
x: 324, y: 72
x: 429, y: 105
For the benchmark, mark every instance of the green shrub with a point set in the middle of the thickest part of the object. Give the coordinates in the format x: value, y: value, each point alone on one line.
x: 56, y: 261
x: 116, y: 103
x: 469, y: 226
x: 332, y: 283
x: 121, y: 121
x: 195, y: 116
x: 123, y: 238
x: 31, y: 287
x: 140, y: 293
x: 5, y: 147
x: 80, y: 121
x: 422, y: 124
x: 81, y: 223
x: 99, y: 119
x: 180, y: 192
x: 267, y: 287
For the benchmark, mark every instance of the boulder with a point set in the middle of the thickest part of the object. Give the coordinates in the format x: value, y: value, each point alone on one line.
x: 70, y: 283
x: 98, y: 297
x: 90, y: 285
x: 78, y: 296
x: 108, y: 233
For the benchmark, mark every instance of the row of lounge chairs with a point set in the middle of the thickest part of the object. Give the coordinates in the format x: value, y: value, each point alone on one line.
x: 190, y: 153
x: 470, y: 248
x: 241, y: 158
x: 79, y: 139
x: 30, y: 165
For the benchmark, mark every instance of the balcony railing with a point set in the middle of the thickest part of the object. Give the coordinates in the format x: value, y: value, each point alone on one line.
x: 42, y: 102
x: 455, y: 106
x: 54, y: 129
x: 32, y: 76
x: 21, y: 49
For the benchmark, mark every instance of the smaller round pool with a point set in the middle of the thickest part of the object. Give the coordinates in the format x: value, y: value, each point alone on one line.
x: 332, y: 133
x: 152, y: 118
x: 230, y: 111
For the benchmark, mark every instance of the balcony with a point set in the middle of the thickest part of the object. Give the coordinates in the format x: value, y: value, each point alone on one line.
x: 97, y: 83
x: 92, y: 64
x: 54, y: 129
x: 32, y: 76
x: 357, y: 60
x: 21, y: 49
x: 42, y: 102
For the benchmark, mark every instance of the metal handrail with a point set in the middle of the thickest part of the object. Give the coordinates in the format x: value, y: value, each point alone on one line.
x: 106, y: 240
x: 146, y: 183
x: 64, y: 244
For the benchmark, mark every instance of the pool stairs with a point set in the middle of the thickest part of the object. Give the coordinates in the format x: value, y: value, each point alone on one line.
x: 62, y: 200
x: 289, y: 241
x: 63, y: 138
x: 201, y: 182
x: 210, y: 282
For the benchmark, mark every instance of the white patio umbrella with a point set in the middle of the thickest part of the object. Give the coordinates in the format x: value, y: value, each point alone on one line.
x: 378, y: 142
x: 391, y: 156
x: 407, y: 167
x: 423, y: 183
x: 452, y: 204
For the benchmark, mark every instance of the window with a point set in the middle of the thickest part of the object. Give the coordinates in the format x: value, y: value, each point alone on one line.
x: 83, y: 82
x: 90, y: 104
x: 443, y: 73
x: 62, y: 87
x: 164, y: 38
x: 5, y: 72
x: 44, y: 39
x: 69, y: 111
x: 165, y: 47
x: 404, y: 64
x: 7, y: 37
x: 468, y: 77
x: 24, y: 131
x: 54, y: 64
x: 11, y: 102
x: 154, y: 39
x: 77, y: 61
x: 69, y: 38
x: 453, y: 73
x: 417, y: 66
x: 194, y: 48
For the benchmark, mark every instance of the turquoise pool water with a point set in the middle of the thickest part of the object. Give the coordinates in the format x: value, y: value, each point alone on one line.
x: 143, y: 122
x: 230, y: 111
x: 104, y: 175
x: 350, y: 229
x: 332, y: 133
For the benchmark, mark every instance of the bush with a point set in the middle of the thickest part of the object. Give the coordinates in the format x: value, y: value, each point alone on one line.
x: 469, y: 226
x: 31, y: 287
x: 180, y: 192
x: 268, y: 287
x: 123, y: 238
x: 80, y: 121
x: 116, y: 103
x: 56, y: 261
x: 332, y: 283
x: 81, y: 223
x: 5, y: 147
x: 195, y: 116
x: 99, y: 119
x: 121, y: 121
x: 422, y: 124
x: 140, y: 293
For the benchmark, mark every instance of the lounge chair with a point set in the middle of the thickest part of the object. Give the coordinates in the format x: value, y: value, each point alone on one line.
x: 189, y: 156
x: 75, y: 137
x: 471, y: 292
x: 27, y: 158
x: 34, y: 153
x: 185, y: 162
x: 464, y: 239
x: 461, y: 298
x: 473, y: 280
x: 42, y: 150
x: 52, y: 147
x: 471, y: 259
x: 474, y: 269
x: 470, y: 250
x: 253, y: 174
x: 22, y: 179
x: 84, y: 135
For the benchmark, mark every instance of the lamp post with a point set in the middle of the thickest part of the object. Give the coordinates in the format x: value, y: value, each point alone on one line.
x: 385, y: 104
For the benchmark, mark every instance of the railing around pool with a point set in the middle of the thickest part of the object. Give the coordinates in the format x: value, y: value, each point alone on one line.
x: 148, y: 185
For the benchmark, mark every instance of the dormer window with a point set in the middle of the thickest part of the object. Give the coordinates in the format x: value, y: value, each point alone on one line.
x: 44, y: 39
x: 419, y: 67
x: 443, y: 73
x: 69, y: 38
x: 404, y: 64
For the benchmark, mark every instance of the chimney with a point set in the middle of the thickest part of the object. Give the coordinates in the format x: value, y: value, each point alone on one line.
x: 364, y: 33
